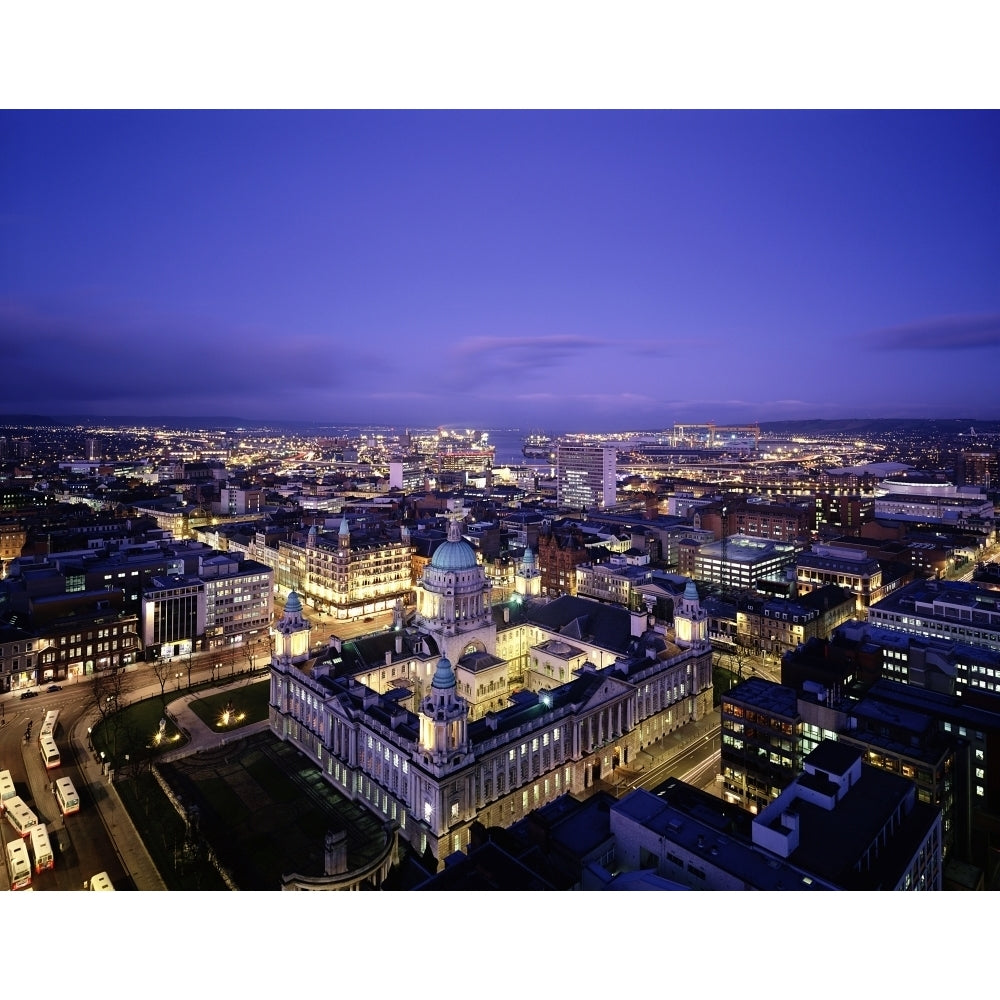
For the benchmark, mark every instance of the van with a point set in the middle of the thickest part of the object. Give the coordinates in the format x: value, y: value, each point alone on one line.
x: 101, y: 883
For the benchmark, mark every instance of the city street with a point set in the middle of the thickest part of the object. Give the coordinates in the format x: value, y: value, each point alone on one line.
x: 80, y: 842
x: 87, y: 842
x: 691, y: 754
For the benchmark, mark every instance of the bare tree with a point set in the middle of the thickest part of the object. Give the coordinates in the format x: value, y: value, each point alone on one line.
x: 109, y: 690
x: 740, y: 658
x: 161, y: 671
x: 259, y: 648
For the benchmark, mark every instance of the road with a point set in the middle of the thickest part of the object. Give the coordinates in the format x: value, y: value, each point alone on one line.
x: 80, y: 843
x: 697, y: 763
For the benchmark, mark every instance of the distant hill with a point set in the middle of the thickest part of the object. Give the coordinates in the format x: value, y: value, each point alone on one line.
x: 26, y: 420
x: 862, y: 426
x: 848, y: 426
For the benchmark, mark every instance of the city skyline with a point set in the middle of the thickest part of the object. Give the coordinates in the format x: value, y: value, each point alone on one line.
x: 565, y: 270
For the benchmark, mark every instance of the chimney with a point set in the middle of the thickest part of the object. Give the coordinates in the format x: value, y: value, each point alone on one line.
x: 399, y: 642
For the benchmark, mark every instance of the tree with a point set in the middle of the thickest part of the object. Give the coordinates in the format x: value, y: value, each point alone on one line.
x: 740, y: 658
x: 259, y: 647
x: 108, y: 691
x: 161, y: 671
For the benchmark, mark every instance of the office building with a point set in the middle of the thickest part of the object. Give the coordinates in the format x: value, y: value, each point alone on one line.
x: 738, y: 563
x: 234, y: 502
x: 776, y: 625
x: 761, y: 748
x: 845, y: 566
x: 839, y: 825
x: 943, y: 609
x: 853, y: 825
x: 586, y: 475
x: 348, y: 574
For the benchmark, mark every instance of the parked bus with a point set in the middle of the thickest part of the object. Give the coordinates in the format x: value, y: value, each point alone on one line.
x: 41, y: 848
x: 48, y: 725
x: 20, y: 816
x: 19, y: 865
x: 49, y: 752
x: 101, y: 883
x: 7, y: 790
x: 69, y: 801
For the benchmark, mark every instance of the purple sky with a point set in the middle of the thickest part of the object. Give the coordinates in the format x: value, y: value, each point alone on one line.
x: 564, y: 270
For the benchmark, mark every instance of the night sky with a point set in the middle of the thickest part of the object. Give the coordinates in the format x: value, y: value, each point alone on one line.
x: 542, y: 270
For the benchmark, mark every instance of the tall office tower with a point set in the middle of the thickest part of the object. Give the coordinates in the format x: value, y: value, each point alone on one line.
x: 978, y: 468
x: 586, y: 474
x: 93, y: 449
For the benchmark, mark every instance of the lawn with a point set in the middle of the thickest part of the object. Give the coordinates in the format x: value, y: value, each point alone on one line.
x: 246, y: 704
x: 135, y: 731
x: 181, y: 866
x: 723, y: 680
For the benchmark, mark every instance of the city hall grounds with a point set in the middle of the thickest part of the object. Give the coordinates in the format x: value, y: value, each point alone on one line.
x: 245, y: 813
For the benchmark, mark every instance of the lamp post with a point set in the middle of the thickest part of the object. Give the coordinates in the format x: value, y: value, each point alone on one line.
x: 177, y: 679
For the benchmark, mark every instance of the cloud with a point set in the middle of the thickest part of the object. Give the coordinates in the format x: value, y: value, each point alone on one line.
x: 490, y: 358
x: 944, y: 333
x: 61, y: 359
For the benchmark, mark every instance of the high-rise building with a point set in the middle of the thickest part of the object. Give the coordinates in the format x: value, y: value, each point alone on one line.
x: 978, y: 468
x: 93, y: 449
x: 586, y: 475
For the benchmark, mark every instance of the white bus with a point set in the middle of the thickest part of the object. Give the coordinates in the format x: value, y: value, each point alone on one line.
x: 19, y: 865
x: 20, y: 816
x: 50, y: 752
x: 41, y: 848
x: 7, y: 790
x: 69, y: 801
x: 101, y: 883
x: 48, y: 725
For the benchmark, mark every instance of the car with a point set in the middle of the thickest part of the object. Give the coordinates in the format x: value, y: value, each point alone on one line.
x: 54, y: 687
x: 28, y: 694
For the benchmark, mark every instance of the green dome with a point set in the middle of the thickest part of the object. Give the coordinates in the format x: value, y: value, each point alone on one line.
x: 454, y: 555
x: 444, y: 676
x: 293, y: 605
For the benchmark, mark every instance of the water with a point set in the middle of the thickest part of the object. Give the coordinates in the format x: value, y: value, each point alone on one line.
x: 508, y: 443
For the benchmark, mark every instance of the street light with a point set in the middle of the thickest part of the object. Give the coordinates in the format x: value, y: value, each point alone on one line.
x: 177, y: 679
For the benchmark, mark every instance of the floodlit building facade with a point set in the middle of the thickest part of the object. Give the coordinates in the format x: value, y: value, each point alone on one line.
x: 415, y: 755
x: 346, y: 577
x: 586, y: 475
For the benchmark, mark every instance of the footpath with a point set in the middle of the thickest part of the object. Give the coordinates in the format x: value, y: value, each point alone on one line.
x: 129, y: 846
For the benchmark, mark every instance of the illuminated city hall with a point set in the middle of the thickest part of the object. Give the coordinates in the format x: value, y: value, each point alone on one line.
x: 414, y: 754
